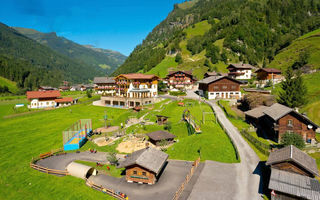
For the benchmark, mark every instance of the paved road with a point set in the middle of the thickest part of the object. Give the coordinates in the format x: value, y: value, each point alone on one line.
x: 229, y: 181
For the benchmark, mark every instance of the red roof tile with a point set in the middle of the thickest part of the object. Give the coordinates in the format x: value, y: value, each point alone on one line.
x: 43, y: 94
x: 66, y: 99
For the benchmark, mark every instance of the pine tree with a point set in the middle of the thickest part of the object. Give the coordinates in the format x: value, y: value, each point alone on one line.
x: 293, y: 90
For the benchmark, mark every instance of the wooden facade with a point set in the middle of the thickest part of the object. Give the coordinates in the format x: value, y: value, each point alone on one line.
x: 295, y: 124
x: 263, y: 75
x: 223, y: 88
x: 138, y: 174
x: 180, y: 80
x: 290, y: 166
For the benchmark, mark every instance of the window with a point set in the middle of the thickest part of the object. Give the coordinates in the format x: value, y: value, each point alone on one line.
x: 233, y: 87
x: 290, y: 122
x: 144, y: 173
x: 216, y: 87
x: 224, y: 87
x: 135, y: 172
x: 289, y: 131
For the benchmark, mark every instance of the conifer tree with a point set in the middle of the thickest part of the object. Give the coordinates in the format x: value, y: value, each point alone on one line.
x: 293, y: 90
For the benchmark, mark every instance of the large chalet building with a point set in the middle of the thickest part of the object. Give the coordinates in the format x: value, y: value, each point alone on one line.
x: 240, y: 71
x: 293, y: 175
x: 144, y: 166
x: 128, y: 90
x: 279, y: 119
x: 182, y: 80
x: 220, y: 87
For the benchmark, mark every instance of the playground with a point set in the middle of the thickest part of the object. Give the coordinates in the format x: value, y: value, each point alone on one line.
x: 76, y: 135
x: 132, y: 143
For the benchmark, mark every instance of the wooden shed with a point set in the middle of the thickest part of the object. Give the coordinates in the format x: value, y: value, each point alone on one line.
x: 161, y: 119
x: 144, y: 166
x: 157, y: 136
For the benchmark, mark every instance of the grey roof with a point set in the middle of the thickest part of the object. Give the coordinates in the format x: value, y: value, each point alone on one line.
x: 212, y: 73
x: 149, y: 158
x: 211, y: 79
x: 256, y: 112
x: 292, y: 153
x: 160, y: 135
x: 241, y: 66
x: 294, y: 184
x: 98, y: 80
x: 276, y: 111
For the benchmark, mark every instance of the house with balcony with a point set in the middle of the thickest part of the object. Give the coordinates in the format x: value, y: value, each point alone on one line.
x: 181, y: 80
x: 269, y: 74
x: 129, y: 90
x: 105, y: 85
x: 240, y: 71
x: 278, y: 119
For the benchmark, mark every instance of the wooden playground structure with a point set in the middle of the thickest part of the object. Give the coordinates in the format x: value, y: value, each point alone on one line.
x: 76, y: 135
x: 192, y: 123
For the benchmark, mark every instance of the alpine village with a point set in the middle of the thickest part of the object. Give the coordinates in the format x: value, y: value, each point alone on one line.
x: 220, y: 101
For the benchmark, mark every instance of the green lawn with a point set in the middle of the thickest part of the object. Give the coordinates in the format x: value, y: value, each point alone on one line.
x: 199, y: 28
x: 115, y: 172
x: 12, y: 86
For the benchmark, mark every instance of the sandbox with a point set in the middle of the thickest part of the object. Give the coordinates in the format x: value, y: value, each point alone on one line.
x: 133, y: 144
x: 101, y: 141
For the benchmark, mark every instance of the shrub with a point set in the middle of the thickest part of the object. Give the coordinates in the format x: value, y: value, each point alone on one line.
x: 293, y: 139
x: 111, y: 157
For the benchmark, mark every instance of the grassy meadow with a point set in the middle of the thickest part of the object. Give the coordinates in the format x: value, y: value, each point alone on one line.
x: 12, y: 86
x: 29, y: 135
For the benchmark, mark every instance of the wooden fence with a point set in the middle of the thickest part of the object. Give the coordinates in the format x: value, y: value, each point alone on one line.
x: 117, y: 195
x: 33, y: 164
x: 263, y: 148
x: 186, y: 181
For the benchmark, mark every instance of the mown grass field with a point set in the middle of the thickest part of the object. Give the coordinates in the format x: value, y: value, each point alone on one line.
x: 290, y: 54
x: 162, y: 68
x: 27, y: 136
x: 12, y: 86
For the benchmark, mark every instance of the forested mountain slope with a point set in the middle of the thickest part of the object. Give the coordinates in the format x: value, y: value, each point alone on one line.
x: 106, y: 60
x: 210, y: 34
x: 31, y: 64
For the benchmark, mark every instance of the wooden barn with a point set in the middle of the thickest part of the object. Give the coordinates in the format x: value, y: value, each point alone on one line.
x: 279, y: 119
x: 220, y: 87
x: 144, y: 166
x: 157, y: 136
x: 292, y: 175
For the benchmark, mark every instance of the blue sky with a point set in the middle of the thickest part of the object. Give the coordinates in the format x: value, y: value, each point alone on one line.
x: 112, y: 24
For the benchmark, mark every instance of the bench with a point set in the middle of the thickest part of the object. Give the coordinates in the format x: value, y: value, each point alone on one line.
x: 44, y: 155
x: 61, y: 153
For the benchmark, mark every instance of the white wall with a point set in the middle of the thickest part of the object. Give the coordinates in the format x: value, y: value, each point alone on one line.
x: 223, y: 95
x: 247, y: 74
x: 35, y: 103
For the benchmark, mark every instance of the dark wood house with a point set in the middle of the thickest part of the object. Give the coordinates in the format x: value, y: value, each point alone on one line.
x: 292, y: 175
x: 220, y: 87
x: 161, y: 119
x: 144, y: 166
x: 182, y: 80
x: 157, y: 136
x: 268, y: 74
x: 279, y: 119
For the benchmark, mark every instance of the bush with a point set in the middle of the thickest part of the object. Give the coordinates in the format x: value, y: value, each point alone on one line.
x: 293, y: 139
x: 112, y: 158
x: 168, y: 126
x: 89, y: 93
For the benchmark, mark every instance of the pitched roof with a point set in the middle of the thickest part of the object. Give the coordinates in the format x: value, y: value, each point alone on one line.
x: 43, y: 94
x: 276, y: 111
x: 160, y: 135
x: 269, y: 70
x: 292, y: 153
x: 211, y: 73
x: 149, y: 158
x: 98, y: 80
x: 240, y: 66
x: 211, y: 79
x: 256, y: 112
x: 294, y: 184
x: 138, y: 76
x: 65, y: 99
x: 186, y: 72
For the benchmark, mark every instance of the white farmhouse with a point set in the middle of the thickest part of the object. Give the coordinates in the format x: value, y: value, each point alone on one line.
x: 240, y: 71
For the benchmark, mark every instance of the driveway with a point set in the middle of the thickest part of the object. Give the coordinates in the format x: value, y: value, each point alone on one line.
x: 168, y: 183
x: 229, y: 181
